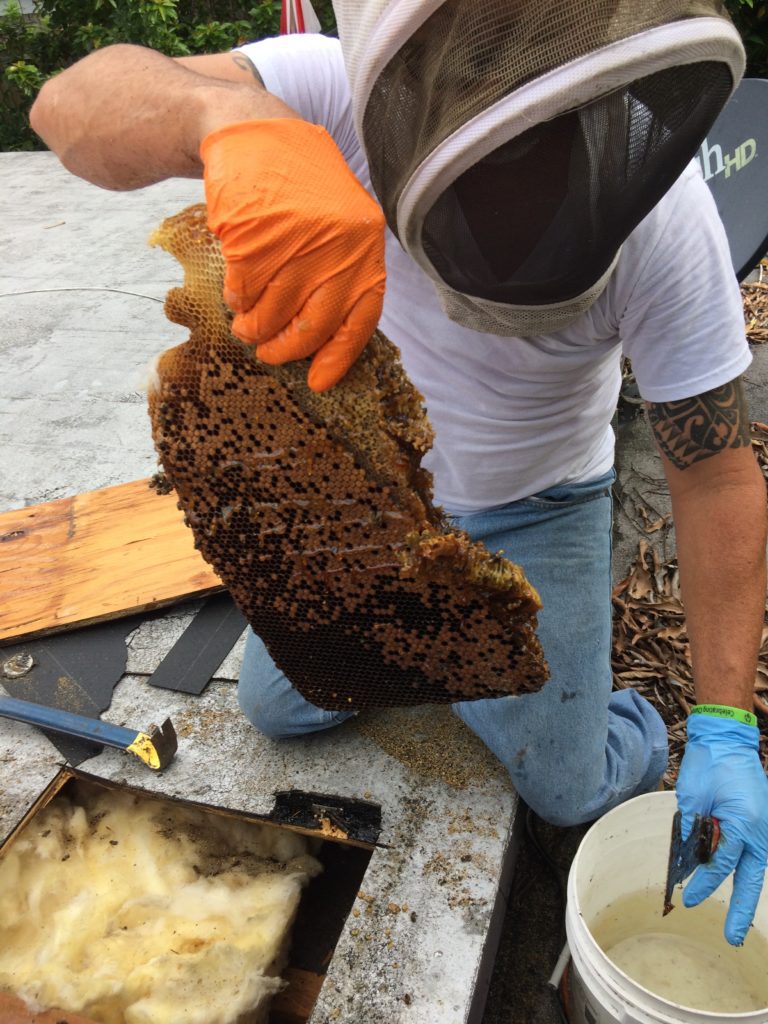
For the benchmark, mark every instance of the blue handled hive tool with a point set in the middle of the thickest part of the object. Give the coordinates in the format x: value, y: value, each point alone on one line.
x: 155, y: 747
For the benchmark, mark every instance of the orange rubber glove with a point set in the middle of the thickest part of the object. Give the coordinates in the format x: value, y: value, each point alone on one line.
x: 303, y: 243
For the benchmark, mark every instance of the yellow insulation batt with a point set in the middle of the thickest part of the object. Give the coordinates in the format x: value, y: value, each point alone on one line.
x: 135, y: 911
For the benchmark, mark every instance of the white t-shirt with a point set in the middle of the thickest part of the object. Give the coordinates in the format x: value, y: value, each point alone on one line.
x: 513, y: 416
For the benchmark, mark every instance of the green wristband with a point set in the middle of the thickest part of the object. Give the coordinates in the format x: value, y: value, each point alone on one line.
x: 724, y: 711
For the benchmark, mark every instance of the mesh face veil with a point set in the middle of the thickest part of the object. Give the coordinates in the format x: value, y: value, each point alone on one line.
x: 515, y: 145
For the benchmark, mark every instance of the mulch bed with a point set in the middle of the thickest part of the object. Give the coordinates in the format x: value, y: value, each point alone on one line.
x: 754, y: 297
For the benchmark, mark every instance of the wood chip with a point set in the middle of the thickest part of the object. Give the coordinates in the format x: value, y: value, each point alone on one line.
x: 754, y: 297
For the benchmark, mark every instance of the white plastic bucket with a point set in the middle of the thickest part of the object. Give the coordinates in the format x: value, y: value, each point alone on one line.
x: 626, y: 852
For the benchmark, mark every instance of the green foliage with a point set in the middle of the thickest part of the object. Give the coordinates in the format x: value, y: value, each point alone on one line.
x: 34, y: 47
x: 751, y: 19
x: 60, y: 32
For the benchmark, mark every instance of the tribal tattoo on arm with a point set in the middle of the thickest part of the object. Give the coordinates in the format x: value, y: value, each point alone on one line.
x: 697, y: 428
x: 247, y: 65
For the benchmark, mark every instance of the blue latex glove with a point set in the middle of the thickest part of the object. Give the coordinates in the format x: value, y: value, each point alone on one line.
x: 721, y: 775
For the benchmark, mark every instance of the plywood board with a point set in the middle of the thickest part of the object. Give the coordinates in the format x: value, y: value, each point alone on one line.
x: 14, y: 1011
x: 295, y: 1003
x: 96, y: 556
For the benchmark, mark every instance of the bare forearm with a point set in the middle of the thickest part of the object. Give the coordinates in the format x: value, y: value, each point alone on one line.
x: 719, y: 507
x: 721, y: 553
x: 125, y: 116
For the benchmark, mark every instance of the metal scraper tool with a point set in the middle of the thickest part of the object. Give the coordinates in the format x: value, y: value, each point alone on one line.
x: 155, y: 747
x: 685, y: 855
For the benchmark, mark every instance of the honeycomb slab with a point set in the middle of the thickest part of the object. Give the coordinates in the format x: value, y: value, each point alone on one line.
x: 315, y: 512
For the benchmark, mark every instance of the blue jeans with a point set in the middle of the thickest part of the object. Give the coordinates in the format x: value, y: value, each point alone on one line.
x: 573, y: 750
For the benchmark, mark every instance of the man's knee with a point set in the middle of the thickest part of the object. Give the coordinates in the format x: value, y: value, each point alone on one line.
x: 265, y: 696
x: 271, y: 703
x: 284, y: 715
x: 569, y: 807
x: 264, y: 716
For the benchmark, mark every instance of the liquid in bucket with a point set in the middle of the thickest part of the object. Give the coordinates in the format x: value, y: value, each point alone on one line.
x: 616, y: 895
x: 684, y: 956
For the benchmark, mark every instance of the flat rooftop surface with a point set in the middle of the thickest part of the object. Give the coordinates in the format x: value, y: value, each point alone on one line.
x: 81, y: 317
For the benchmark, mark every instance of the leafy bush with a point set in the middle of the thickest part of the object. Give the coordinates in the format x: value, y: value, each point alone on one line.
x: 60, y: 32
x: 33, y: 47
x: 751, y: 19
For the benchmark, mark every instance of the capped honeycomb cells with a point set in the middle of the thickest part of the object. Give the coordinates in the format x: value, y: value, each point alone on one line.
x: 315, y: 512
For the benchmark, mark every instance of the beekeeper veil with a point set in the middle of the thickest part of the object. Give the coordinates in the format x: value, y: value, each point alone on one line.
x: 515, y: 144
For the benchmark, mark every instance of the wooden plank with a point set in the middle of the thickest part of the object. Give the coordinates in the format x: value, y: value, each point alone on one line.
x: 14, y: 1011
x: 295, y: 1003
x: 291, y: 1006
x: 96, y: 556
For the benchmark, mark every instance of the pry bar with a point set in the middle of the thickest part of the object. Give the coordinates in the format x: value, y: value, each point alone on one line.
x: 155, y: 747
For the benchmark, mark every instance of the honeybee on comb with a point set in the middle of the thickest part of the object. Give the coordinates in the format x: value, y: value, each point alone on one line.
x: 316, y: 514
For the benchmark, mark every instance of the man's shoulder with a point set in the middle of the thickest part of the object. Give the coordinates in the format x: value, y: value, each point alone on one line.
x: 687, y: 207
x: 683, y: 229
x: 677, y: 255
x: 307, y: 72
x: 294, y: 47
